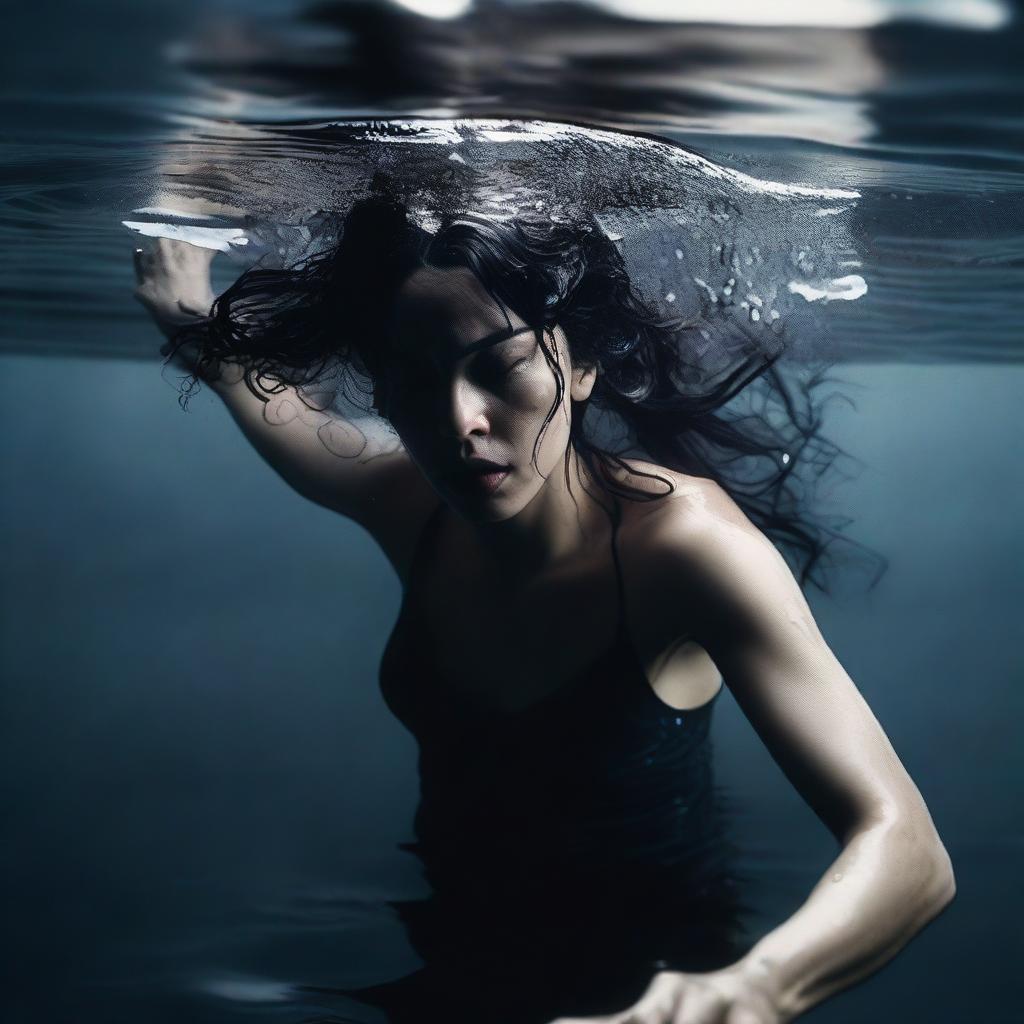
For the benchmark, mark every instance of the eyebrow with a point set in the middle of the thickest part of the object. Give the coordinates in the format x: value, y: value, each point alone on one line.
x: 493, y: 339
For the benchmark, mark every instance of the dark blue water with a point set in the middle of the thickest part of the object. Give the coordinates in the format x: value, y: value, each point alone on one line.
x: 198, y: 819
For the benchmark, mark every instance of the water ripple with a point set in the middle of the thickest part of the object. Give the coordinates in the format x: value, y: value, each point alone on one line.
x: 927, y: 116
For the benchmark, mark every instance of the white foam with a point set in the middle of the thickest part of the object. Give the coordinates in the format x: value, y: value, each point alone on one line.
x: 221, y: 239
x: 165, y: 211
x: 851, y: 287
x: 449, y: 132
x: 707, y: 288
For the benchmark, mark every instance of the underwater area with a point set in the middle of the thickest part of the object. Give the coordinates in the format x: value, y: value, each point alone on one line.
x: 203, y: 792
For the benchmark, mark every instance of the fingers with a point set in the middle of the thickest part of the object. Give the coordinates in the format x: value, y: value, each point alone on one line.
x: 745, y: 1015
x: 172, y: 281
x: 701, y: 1004
x: 187, y: 254
x: 178, y: 254
x: 657, y: 1005
x: 675, y: 997
x: 169, y: 255
x: 613, y: 1019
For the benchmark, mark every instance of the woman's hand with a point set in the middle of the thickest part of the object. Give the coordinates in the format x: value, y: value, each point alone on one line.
x: 732, y: 995
x: 173, y: 282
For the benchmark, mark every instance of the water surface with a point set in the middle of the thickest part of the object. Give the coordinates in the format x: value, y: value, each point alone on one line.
x: 199, y: 818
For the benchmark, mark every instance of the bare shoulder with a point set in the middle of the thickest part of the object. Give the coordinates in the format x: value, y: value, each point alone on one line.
x: 703, y: 562
x: 695, y: 547
x: 680, y: 510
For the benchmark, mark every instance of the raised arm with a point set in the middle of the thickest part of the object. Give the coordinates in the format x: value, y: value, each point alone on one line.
x: 356, y: 468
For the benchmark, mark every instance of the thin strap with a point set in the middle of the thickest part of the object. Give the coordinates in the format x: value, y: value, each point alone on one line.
x: 616, y: 517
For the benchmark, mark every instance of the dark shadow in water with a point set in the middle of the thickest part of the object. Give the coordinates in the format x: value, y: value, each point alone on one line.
x: 575, y: 944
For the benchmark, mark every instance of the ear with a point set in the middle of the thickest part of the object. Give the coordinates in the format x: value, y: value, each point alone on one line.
x: 583, y: 380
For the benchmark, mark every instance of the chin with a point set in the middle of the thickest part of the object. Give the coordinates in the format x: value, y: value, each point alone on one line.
x: 482, y: 509
x: 485, y: 508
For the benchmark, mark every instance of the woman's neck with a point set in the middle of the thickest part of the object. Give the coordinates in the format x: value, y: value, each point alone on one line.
x: 561, y: 521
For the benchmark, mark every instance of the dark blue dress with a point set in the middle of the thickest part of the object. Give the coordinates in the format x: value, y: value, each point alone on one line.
x: 573, y: 848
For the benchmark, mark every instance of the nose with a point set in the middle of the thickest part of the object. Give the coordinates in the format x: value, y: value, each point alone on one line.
x: 466, y: 414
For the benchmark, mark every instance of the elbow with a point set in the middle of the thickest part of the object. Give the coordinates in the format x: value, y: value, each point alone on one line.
x: 938, y: 879
x: 931, y: 868
x: 944, y: 878
x: 918, y: 855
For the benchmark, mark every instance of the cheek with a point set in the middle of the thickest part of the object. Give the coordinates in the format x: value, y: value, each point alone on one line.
x: 531, y: 394
x: 525, y: 407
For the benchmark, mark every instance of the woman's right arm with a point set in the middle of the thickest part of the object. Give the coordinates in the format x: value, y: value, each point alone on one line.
x: 363, y: 474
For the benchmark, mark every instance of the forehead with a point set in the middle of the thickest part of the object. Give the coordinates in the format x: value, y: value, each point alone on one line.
x: 447, y: 307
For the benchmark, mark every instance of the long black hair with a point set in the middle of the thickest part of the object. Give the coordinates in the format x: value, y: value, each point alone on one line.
x: 293, y: 325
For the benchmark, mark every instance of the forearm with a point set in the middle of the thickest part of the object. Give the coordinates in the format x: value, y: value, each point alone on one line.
x: 885, y: 886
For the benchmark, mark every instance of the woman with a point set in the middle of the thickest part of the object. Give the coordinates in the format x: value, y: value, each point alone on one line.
x: 568, y: 617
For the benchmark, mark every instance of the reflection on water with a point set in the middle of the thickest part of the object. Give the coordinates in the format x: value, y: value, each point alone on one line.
x: 184, y: 864
x: 922, y: 118
x: 755, y: 261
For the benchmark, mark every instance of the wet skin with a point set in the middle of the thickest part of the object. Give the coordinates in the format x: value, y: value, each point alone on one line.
x: 698, y: 567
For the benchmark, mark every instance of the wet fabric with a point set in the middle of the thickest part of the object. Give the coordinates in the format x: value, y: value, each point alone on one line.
x: 573, y: 848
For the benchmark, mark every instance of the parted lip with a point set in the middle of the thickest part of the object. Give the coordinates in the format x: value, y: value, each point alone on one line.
x: 477, y: 467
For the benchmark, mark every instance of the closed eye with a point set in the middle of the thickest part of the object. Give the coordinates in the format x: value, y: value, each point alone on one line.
x: 498, y: 369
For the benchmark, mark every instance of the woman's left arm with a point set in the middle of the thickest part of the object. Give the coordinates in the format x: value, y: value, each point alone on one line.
x: 893, y: 874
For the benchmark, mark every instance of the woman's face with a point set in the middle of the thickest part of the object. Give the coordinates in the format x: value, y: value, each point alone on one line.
x: 464, y: 382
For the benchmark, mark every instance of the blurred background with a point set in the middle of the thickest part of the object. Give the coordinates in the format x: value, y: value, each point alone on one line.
x: 202, y: 790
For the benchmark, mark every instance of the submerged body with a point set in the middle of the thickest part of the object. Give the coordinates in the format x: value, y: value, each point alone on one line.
x: 559, y: 649
x: 573, y: 836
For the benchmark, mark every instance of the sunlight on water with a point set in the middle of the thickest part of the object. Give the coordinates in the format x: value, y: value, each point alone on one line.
x: 978, y: 14
x: 891, y: 102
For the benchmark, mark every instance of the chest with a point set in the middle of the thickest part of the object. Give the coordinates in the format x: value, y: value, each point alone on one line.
x: 508, y: 651
x: 509, y: 654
